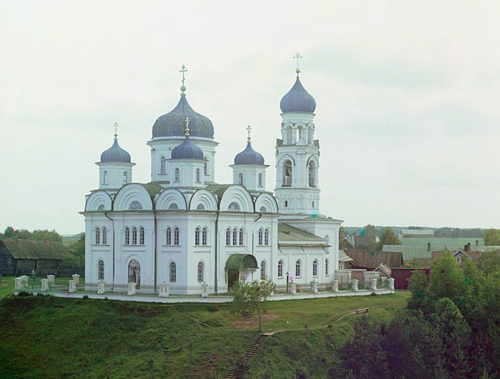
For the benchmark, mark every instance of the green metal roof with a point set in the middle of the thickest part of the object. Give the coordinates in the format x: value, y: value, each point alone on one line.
x: 152, y: 188
x: 241, y: 261
x: 218, y: 189
x: 31, y: 249
x: 289, y: 233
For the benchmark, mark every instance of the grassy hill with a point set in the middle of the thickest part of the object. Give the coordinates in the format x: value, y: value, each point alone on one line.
x: 68, y: 338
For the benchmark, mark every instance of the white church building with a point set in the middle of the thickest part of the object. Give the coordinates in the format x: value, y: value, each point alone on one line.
x: 186, y: 230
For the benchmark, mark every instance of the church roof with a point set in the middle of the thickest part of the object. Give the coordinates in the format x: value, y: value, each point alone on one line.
x: 115, y: 154
x: 298, y: 100
x: 289, y: 234
x: 249, y: 157
x: 172, y: 124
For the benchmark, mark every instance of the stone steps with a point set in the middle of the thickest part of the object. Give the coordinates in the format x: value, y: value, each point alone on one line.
x: 248, y: 355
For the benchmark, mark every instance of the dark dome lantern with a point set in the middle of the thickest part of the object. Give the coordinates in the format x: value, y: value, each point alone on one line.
x: 172, y: 124
x: 115, y: 154
x: 249, y: 157
x: 298, y: 100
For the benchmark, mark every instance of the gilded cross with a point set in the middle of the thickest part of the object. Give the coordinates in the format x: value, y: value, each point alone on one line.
x: 116, y: 130
x: 249, y: 128
x: 183, y: 70
x: 187, y: 126
x: 297, y: 56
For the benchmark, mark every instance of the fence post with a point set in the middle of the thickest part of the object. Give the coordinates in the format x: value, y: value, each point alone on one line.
x: 72, y: 286
x: 76, y: 278
x: 335, y: 286
x: 101, y: 287
x: 163, y: 290
x: 373, y: 285
x: 390, y: 281
x: 18, y: 284
x: 355, y: 285
x: 314, y: 286
x: 51, y: 279
x: 45, y: 285
x: 131, y: 288
x: 204, y: 292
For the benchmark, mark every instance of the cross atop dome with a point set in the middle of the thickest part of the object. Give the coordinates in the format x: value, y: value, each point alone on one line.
x: 297, y: 56
x: 187, y: 126
x: 116, y: 130
x: 183, y: 71
x: 249, y: 129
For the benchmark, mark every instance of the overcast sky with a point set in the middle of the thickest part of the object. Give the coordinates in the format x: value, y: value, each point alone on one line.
x: 408, y: 99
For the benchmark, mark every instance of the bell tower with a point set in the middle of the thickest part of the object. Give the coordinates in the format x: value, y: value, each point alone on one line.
x: 297, y: 153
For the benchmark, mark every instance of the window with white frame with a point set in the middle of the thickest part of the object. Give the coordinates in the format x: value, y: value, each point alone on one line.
x: 326, y: 267
x: 197, y: 237
x: 104, y: 235
x: 280, y: 269
x: 105, y: 178
x: 97, y: 236
x: 169, y: 236
x: 127, y: 236
x: 241, y: 241
x: 228, y: 236
x: 298, y: 265
x: 205, y: 169
x: 100, y: 270
x: 240, y: 178
x: 173, y: 207
x: 204, y: 237
x: 263, y: 270
x: 261, y: 235
x: 176, y: 237
x: 201, y: 272
x: 235, y: 237
x: 266, y: 237
x: 134, y: 236
x: 198, y: 180
x: 263, y: 209
x: 163, y: 162
x: 135, y: 206
x: 141, y: 236
x: 200, y: 207
x: 177, y: 175
x: 260, y: 180
x: 125, y: 177
x: 234, y: 206
x: 315, y: 267
x: 173, y: 272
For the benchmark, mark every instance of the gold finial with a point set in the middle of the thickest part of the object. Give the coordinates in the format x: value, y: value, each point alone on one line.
x: 297, y: 56
x: 187, y: 126
x: 183, y: 70
x: 249, y: 128
x: 116, y: 131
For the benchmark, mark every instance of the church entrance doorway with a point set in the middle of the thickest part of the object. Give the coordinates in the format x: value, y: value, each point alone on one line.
x: 134, y: 273
x: 232, y: 277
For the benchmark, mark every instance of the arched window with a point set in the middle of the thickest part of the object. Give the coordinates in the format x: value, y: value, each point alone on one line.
x: 141, y: 236
x: 315, y: 267
x: 104, y: 235
x: 176, y: 237
x: 289, y: 135
x: 100, y: 270
x: 135, y: 206
x: 260, y: 180
x: 312, y: 178
x: 205, y: 169
x: 286, y: 204
x: 266, y: 237
x: 201, y: 272
x: 240, y: 240
x: 263, y: 209
x: 162, y: 165
x: 198, y: 180
x: 173, y: 272
x: 240, y: 178
x: 235, y: 237
x: 280, y: 269
x: 200, y: 207
x: 204, y: 236
x: 327, y: 242
x: 228, y: 236
x: 177, y: 174
x: 125, y: 177
x: 312, y: 204
x: 297, y: 268
x: 326, y: 267
x: 134, y: 236
x: 173, y: 207
x: 101, y: 207
x: 261, y: 236
x: 105, y: 178
x: 263, y: 270
x: 169, y: 236
x: 234, y: 206
x: 197, y: 237
x: 287, y: 174
x: 97, y: 236
x: 127, y: 236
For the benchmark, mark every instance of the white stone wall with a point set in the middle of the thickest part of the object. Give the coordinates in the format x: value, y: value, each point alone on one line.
x: 250, y: 176
x: 111, y: 175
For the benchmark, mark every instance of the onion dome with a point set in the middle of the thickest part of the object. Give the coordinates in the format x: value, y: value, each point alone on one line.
x: 172, y: 123
x: 115, y: 154
x: 298, y: 100
x: 187, y: 149
x: 249, y: 157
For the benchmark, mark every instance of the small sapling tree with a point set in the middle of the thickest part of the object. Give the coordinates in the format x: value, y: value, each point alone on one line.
x: 250, y: 298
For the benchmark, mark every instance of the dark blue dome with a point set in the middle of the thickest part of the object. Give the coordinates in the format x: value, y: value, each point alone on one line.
x: 298, y: 100
x: 173, y: 123
x: 187, y: 150
x: 115, y: 154
x: 249, y: 156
